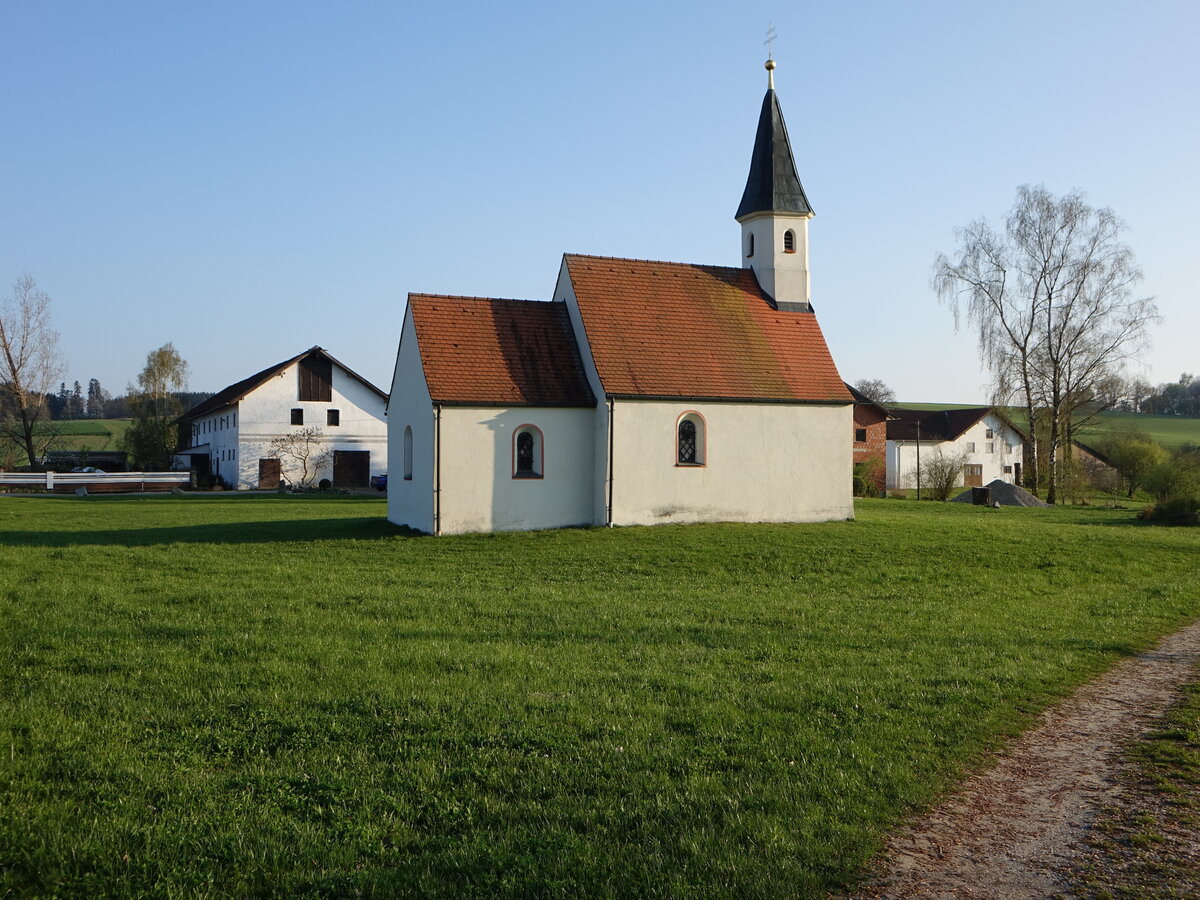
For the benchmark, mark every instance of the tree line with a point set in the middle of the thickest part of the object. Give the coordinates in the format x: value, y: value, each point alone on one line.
x: 31, y: 407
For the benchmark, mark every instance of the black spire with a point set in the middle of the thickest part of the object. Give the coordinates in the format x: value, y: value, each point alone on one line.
x: 773, y: 185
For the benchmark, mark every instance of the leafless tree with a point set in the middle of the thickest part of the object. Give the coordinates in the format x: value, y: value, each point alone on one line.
x: 942, y: 472
x: 305, y: 449
x: 1052, y: 300
x: 876, y: 391
x: 30, y: 364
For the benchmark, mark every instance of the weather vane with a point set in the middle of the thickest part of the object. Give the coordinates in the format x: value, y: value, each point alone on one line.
x: 769, y: 42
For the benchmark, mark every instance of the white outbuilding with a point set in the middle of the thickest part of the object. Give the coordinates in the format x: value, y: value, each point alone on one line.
x: 230, y: 434
x: 988, y: 443
x: 642, y: 392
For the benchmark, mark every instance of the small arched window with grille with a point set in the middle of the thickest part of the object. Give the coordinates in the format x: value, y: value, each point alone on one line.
x: 408, y: 453
x: 527, y: 452
x: 789, y: 241
x: 690, y: 440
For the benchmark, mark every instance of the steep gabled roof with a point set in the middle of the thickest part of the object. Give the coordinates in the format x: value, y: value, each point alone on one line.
x: 861, y: 399
x: 236, y: 391
x: 659, y: 329
x: 485, y: 351
x: 773, y: 184
x: 937, y: 425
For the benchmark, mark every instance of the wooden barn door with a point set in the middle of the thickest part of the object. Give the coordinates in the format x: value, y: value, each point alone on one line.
x: 973, y: 475
x: 352, y: 469
x: 268, y: 474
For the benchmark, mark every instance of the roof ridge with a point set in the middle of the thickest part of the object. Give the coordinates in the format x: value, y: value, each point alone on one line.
x: 657, y: 262
x: 471, y: 297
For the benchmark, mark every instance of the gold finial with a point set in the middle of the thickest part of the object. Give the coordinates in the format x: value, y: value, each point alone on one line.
x: 770, y: 63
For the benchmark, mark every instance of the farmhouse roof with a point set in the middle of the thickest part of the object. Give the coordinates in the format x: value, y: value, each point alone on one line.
x: 236, y: 391
x: 479, y: 350
x: 661, y: 329
x: 773, y: 184
x: 861, y: 399
x: 941, y: 424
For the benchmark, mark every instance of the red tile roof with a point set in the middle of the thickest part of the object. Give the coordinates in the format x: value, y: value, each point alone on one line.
x: 661, y: 329
x: 505, y: 352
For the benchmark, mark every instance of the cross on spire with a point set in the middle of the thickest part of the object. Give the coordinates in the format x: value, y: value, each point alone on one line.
x: 770, y: 41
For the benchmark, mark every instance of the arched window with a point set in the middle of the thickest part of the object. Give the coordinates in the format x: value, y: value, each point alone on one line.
x: 690, y: 440
x: 789, y: 241
x: 527, y: 452
x: 750, y: 250
x: 408, y: 453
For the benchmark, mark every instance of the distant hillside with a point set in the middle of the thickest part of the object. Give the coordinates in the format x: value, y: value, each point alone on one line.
x: 1170, y: 431
x: 92, y: 434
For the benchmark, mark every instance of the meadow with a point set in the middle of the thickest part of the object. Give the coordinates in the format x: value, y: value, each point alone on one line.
x: 282, y: 696
x: 91, y: 434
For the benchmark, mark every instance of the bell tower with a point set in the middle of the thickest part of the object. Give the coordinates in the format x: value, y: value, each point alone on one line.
x: 774, y: 211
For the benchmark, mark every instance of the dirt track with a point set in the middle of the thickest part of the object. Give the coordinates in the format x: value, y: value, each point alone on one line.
x: 1011, y: 830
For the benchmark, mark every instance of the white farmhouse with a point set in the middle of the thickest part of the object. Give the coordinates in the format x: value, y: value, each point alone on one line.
x: 642, y: 392
x: 230, y: 434
x: 990, y: 443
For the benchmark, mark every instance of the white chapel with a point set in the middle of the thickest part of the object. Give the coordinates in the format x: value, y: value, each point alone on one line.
x: 641, y: 393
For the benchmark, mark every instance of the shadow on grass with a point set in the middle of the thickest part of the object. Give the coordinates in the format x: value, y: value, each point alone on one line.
x: 366, y: 528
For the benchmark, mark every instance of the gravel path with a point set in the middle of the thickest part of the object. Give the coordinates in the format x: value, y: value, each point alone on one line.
x: 1011, y: 830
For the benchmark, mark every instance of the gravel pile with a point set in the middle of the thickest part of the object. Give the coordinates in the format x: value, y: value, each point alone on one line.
x: 1005, y: 494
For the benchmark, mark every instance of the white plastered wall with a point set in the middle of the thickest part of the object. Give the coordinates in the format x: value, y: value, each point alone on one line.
x: 564, y: 292
x: 479, y: 492
x: 762, y: 463
x: 410, y: 502
x: 265, y: 414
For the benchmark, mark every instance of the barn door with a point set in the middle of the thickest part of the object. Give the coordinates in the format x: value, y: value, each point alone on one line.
x: 352, y: 469
x: 973, y: 475
x: 268, y: 474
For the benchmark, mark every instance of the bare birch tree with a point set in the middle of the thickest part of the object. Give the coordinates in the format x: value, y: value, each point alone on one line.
x: 30, y: 363
x: 1052, y: 300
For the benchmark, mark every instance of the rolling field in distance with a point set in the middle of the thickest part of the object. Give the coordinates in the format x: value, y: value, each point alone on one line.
x: 235, y: 695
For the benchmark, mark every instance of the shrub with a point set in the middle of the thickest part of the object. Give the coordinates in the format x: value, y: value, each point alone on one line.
x: 941, y: 473
x: 1180, y: 511
x: 1177, y: 477
x: 867, y: 476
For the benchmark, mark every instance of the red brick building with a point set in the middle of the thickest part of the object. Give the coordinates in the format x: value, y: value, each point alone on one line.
x: 870, y: 436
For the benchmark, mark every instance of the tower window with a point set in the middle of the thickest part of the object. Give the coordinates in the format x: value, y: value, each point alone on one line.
x: 690, y: 440
x: 527, y: 452
x: 789, y: 241
x: 750, y: 249
x: 408, y: 453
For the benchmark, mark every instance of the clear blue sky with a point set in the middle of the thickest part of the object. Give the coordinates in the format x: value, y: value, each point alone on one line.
x: 247, y: 180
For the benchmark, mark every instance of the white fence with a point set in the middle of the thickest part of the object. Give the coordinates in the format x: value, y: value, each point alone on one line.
x: 109, y: 481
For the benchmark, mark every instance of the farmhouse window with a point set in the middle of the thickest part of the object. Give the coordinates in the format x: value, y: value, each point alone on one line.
x: 333, y: 417
x: 970, y: 446
x: 690, y: 440
x: 989, y: 434
x: 316, y: 379
x: 297, y: 417
x: 1008, y: 470
x: 527, y: 452
x: 1008, y: 448
x: 860, y: 435
x: 990, y: 447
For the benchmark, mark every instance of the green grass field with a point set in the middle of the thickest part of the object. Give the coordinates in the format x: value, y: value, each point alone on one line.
x: 92, y: 434
x: 230, y: 696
